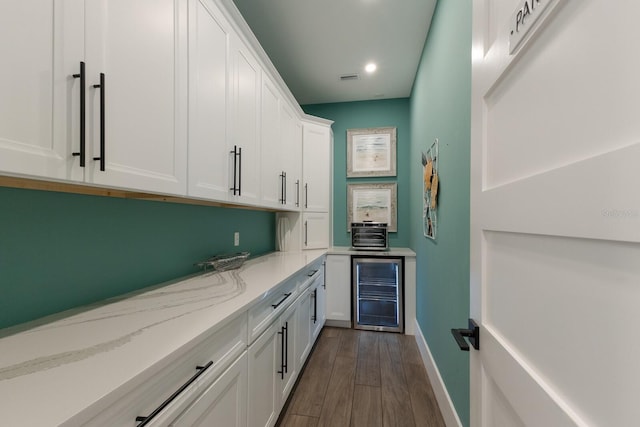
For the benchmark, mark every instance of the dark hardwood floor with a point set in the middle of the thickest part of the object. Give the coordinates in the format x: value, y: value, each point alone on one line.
x: 362, y: 378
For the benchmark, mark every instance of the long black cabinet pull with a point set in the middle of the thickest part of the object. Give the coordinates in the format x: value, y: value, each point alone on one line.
x: 281, y: 301
x: 324, y: 275
x: 297, y: 193
x: 236, y: 153
x: 239, y: 171
x: 102, y: 122
x: 283, y: 188
x: 282, y: 353
x: 82, y: 77
x: 314, y: 295
x: 312, y: 273
x: 306, y: 227
x: 146, y: 420
x: 286, y: 347
x: 306, y: 195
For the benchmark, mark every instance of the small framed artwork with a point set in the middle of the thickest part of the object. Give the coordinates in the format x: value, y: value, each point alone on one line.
x: 430, y: 188
x: 372, y: 202
x: 371, y: 152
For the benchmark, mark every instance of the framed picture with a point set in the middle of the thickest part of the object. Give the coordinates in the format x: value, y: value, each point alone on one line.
x: 372, y: 202
x: 371, y: 152
x: 430, y: 188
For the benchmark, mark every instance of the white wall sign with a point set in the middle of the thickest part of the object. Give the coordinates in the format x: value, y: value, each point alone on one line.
x: 524, y: 18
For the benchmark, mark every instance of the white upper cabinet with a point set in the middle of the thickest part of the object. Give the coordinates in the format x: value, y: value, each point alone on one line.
x: 316, y: 154
x: 291, y: 156
x: 41, y: 49
x: 271, y: 170
x: 245, y: 116
x: 210, y: 160
x: 141, y: 49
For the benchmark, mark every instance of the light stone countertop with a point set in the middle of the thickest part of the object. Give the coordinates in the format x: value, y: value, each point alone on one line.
x: 76, y: 362
x: 345, y: 250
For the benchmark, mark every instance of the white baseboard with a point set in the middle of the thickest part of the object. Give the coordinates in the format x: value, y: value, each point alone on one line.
x: 445, y: 403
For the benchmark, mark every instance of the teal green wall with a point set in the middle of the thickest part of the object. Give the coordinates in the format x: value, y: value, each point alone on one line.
x: 59, y: 251
x: 441, y: 108
x: 367, y: 114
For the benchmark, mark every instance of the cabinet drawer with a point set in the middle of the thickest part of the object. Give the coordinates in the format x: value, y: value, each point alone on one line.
x: 310, y: 274
x: 143, y: 395
x: 271, y: 305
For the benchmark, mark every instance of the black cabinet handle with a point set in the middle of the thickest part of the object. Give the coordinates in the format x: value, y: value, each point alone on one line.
x: 82, y: 77
x: 314, y: 295
x: 281, y: 301
x: 236, y: 154
x: 306, y: 227
x: 324, y: 275
x: 282, y: 353
x: 283, y: 188
x: 312, y: 273
x: 306, y: 195
x: 297, y: 193
x: 145, y: 420
x: 239, y: 171
x: 102, y: 122
x: 286, y: 347
x: 473, y: 333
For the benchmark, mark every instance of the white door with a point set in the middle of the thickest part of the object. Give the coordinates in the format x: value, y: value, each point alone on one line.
x: 264, y: 381
x: 555, y: 214
x: 316, y: 230
x: 270, y: 145
x: 209, y: 70
x: 316, y: 167
x: 291, y: 155
x: 224, y: 403
x: 41, y: 49
x: 141, y: 48
x: 338, y: 288
x: 245, y: 116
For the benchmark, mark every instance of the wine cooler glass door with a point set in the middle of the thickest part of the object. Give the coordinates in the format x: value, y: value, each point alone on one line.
x: 377, y: 293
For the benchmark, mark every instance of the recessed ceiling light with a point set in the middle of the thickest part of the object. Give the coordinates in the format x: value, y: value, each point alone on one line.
x: 370, y: 67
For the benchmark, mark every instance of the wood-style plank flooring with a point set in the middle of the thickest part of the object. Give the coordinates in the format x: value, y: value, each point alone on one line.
x: 362, y: 378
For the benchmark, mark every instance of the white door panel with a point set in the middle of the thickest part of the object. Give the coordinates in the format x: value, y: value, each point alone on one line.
x: 555, y: 217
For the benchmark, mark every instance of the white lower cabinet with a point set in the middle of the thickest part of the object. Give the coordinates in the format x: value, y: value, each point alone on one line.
x: 272, y: 369
x: 338, y: 288
x: 263, y: 357
x: 318, y: 313
x: 224, y: 403
x: 303, y: 332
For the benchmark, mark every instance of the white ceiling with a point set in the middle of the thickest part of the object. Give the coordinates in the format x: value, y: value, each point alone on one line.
x: 313, y: 42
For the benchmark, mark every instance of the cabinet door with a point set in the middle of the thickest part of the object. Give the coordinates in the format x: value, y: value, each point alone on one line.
x: 264, y: 381
x: 316, y: 230
x: 271, y: 165
x: 209, y: 156
x: 303, y: 331
x: 320, y: 309
x: 41, y: 49
x: 316, y: 153
x: 245, y: 117
x: 338, y: 292
x: 141, y: 48
x: 288, y: 323
x: 291, y: 155
x: 224, y: 403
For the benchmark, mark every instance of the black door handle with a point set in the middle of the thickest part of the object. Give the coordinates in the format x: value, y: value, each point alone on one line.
x: 473, y: 333
x: 102, y: 122
x: 83, y: 97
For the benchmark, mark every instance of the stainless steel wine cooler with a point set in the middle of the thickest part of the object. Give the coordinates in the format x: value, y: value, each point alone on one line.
x: 377, y: 284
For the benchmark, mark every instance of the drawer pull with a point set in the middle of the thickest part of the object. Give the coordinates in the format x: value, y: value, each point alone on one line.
x: 312, y: 273
x: 282, y: 300
x: 145, y: 420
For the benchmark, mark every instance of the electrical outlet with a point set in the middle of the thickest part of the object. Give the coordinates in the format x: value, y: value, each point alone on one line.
x: 236, y: 238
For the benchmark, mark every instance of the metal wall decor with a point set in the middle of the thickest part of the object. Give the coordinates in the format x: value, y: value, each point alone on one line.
x: 430, y: 186
x: 371, y: 152
x: 372, y: 202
